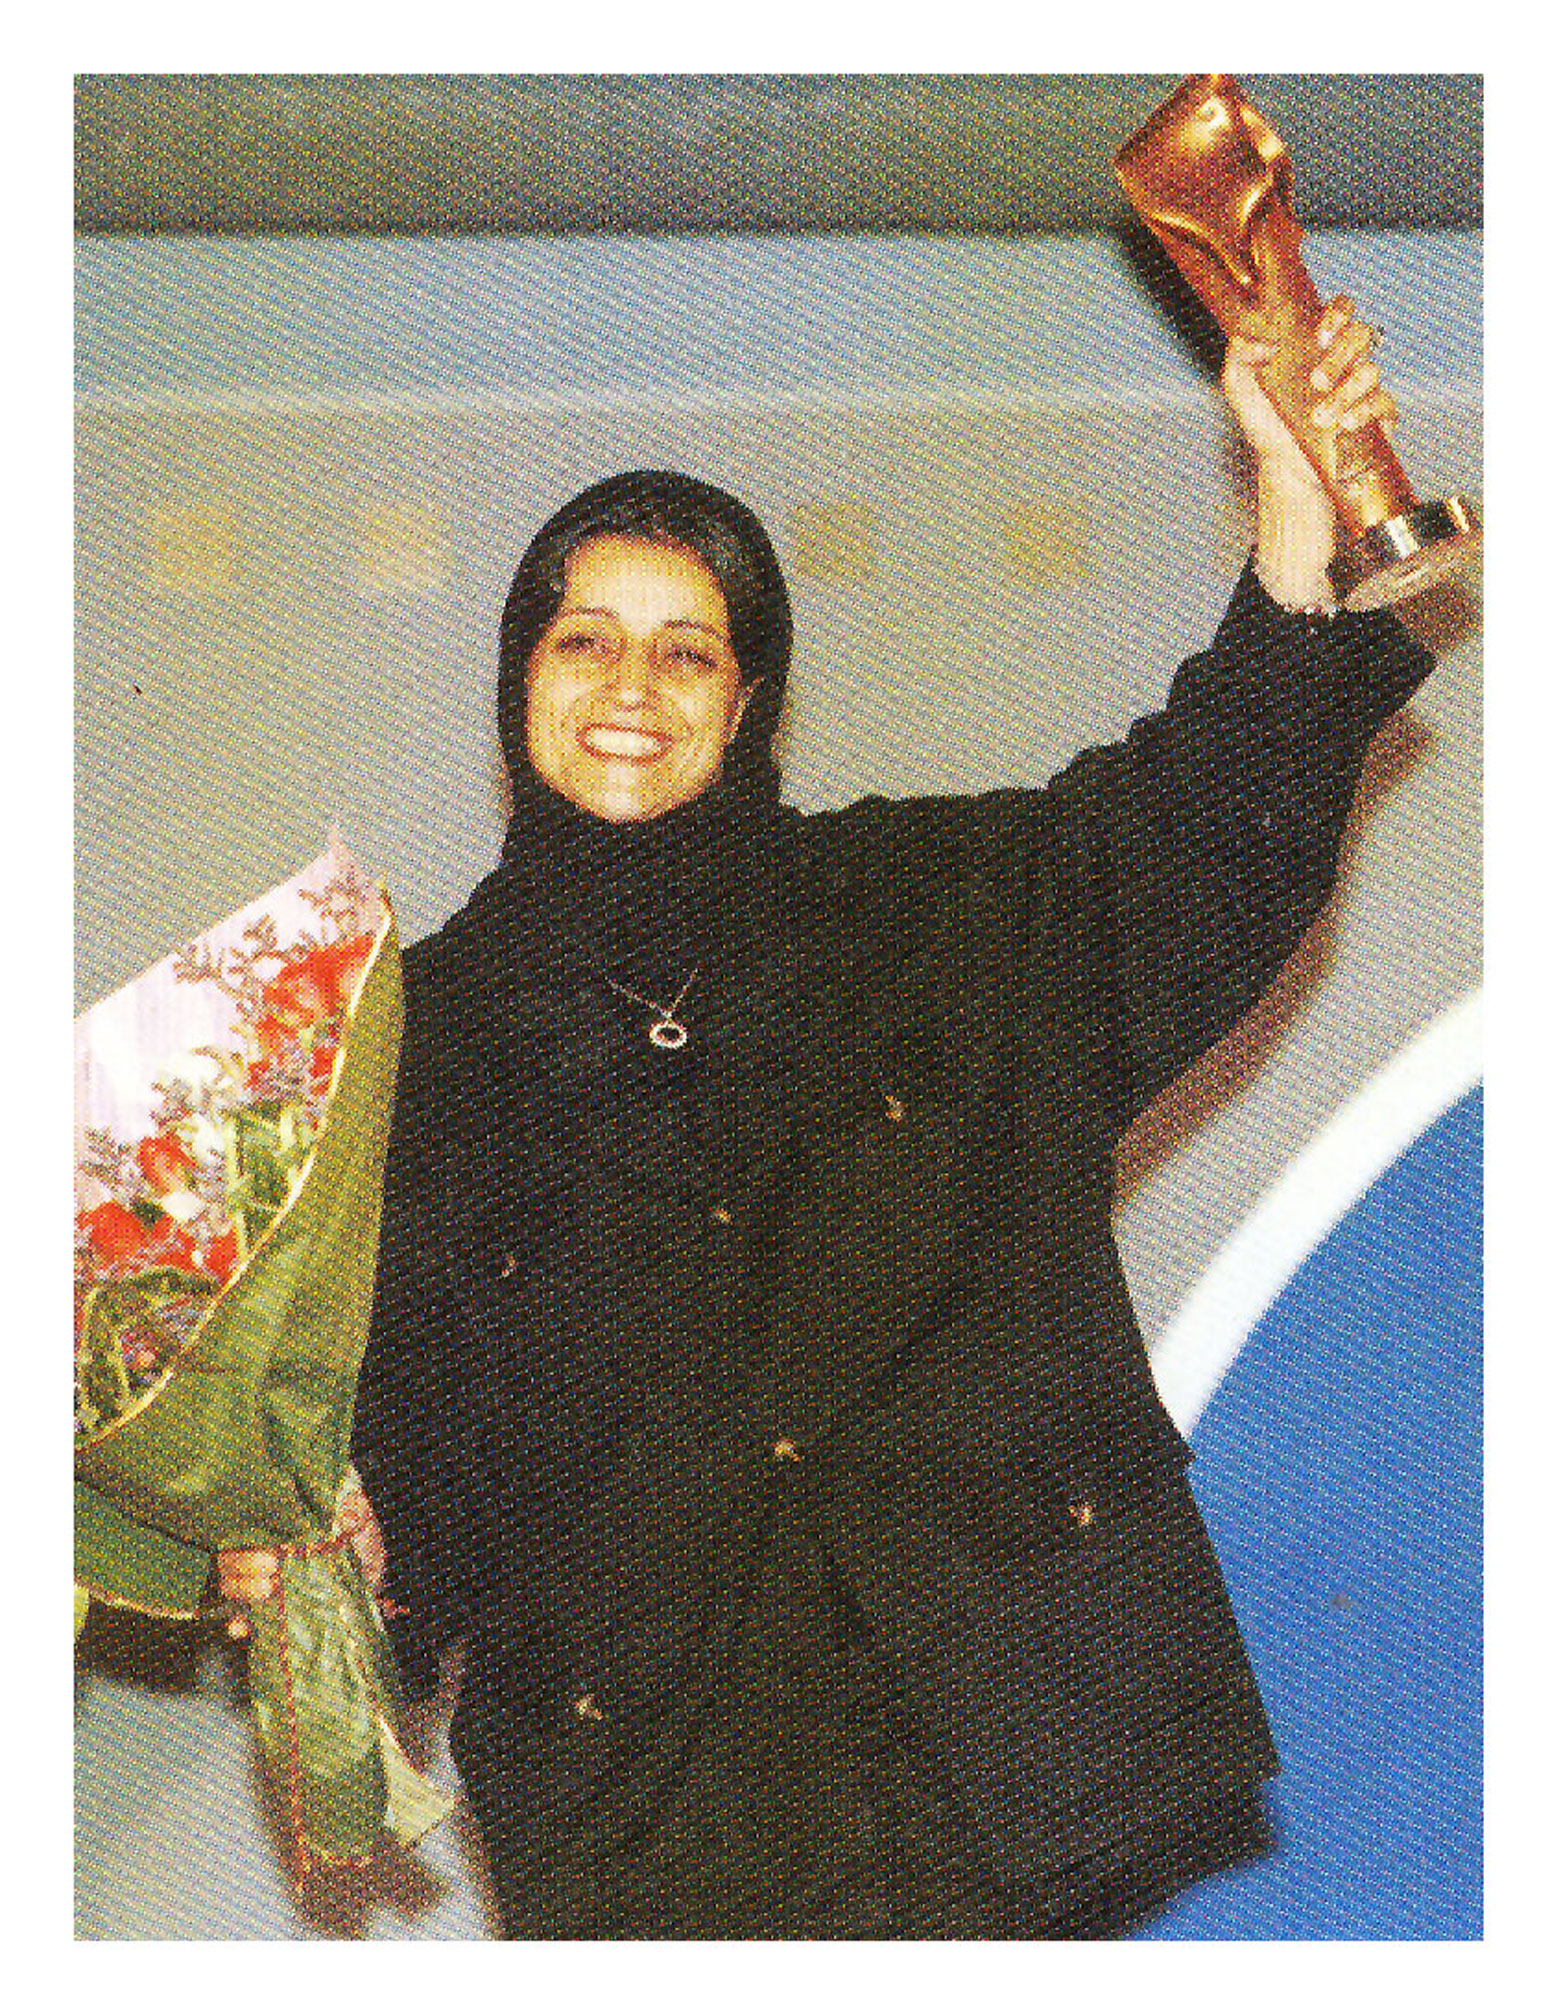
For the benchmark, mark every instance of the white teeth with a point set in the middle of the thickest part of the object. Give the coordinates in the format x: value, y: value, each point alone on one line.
x: 623, y: 742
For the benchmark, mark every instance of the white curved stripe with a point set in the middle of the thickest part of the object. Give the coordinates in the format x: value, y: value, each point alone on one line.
x: 1362, y: 1140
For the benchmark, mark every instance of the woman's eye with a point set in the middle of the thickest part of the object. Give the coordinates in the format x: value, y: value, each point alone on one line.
x: 578, y: 642
x: 690, y: 656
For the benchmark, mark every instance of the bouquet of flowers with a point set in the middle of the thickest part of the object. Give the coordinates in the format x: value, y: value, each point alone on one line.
x: 232, y: 1110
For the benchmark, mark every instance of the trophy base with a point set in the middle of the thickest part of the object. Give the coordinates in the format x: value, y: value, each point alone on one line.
x: 1406, y: 554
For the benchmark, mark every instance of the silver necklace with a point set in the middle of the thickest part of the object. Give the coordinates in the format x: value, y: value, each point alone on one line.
x: 665, y: 1032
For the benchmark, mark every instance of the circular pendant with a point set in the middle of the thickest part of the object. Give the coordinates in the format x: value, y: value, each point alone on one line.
x: 668, y: 1035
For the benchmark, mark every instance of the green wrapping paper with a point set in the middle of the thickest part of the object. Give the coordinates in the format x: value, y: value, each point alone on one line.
x: 244, y: 1443
x: 323, y: 1686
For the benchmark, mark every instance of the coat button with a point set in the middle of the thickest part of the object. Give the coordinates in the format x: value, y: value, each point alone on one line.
x: 721, y: 1213
x: 1081, y: 1511
x: 787, y: 1448
x: 586, y: 1707
x: 894, y: 1106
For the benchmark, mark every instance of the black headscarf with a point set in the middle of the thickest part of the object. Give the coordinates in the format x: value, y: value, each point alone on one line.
x: 634, y: 891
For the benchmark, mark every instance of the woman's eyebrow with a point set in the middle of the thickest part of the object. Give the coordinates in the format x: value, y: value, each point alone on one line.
x: 668, y: 624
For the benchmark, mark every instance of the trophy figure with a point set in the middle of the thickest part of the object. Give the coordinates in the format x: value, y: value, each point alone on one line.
x: 1211, y: 180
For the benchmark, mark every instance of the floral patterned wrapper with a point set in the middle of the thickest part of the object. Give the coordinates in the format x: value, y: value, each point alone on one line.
x: 232, y: 1111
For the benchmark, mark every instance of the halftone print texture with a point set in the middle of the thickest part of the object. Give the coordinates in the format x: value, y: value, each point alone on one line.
x: 1004, y: 488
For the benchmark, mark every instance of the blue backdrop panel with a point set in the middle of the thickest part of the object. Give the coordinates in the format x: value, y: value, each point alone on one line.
x: 1339, y: 1470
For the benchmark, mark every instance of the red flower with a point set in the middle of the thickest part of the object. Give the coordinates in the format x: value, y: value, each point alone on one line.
x: 272, y: 1036
x: 166, y: 1163
x: 317, y: 985
x: 221, y: 1257
x: 115, y: 1234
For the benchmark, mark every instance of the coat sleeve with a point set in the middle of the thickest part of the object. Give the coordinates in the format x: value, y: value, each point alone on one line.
x: 1135, y: 907
x: 407, y: 1440
x: 1182, y: 866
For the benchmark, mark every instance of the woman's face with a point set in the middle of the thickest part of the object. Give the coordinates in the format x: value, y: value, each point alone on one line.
x: 633, y: 692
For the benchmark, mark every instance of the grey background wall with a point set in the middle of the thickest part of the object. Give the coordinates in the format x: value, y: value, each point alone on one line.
x: 519, y: 155
x: 1000, y: 476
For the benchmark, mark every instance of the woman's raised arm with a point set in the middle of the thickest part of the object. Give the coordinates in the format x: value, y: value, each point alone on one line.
x: 1153, y: 889
x: 1194, y: 855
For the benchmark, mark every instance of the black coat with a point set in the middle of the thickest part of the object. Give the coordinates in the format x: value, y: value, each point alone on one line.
x: 891, y: 1277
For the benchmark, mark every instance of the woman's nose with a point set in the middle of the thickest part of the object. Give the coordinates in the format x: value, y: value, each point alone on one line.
x: 633, y: 673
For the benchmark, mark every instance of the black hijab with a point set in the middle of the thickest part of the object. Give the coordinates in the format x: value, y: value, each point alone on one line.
x: 635, y: 895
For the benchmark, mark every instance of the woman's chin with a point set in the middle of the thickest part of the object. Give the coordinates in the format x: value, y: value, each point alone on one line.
x: 623, y: 806
x: 625, y: 800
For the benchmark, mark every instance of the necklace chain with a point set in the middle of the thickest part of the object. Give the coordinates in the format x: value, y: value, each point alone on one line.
x: 666, y: 1032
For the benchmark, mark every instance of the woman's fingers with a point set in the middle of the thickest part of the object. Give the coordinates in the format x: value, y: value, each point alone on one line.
x: 356, y: 1519
x: 247, y: 1575
x: 1358, y: 401
x: 1344, y: 362
x: 1354, y: 340
x: 1347, y: 376
x: 1379, y: 407
x: 1336, y: 316
x: 1352, y: 389
x: 1248, y: 352
x: 372, y: 1552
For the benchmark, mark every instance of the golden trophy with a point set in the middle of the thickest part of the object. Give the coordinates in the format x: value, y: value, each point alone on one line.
x: 1211, y: 181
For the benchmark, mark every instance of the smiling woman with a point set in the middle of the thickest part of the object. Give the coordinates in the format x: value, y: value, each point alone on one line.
x: 634, y: 692
x: 752, y: 1380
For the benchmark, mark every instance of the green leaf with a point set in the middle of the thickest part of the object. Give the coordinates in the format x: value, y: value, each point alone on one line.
x: 261, y: 1163
x: 99, y: 1361
x: 116, y: 1310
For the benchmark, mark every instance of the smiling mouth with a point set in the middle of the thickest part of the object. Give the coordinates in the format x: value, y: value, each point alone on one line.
x: 635, y: 746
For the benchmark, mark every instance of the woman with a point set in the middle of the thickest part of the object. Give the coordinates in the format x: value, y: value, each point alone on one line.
x: 752, y: 1378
